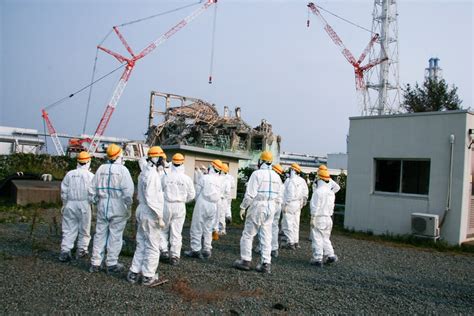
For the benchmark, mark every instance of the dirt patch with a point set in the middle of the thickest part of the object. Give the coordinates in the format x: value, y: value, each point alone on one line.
x: 182, y: 288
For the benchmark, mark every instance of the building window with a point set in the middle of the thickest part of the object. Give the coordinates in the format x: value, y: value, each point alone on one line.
x: 402, y: 176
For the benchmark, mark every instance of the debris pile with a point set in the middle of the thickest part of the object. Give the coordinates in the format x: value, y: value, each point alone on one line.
x: 197, y: 123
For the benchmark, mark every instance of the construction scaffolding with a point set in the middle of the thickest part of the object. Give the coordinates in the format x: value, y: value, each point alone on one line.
x: 196, y: 122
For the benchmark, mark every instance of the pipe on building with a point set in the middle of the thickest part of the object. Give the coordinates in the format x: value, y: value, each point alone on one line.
x: 450, y: 181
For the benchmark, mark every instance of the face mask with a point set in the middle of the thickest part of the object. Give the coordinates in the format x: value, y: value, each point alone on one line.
x: 86, y: 166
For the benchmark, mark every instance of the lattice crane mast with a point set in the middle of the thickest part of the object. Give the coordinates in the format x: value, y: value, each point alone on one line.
x: 52, y: 133
x: 359, y: 70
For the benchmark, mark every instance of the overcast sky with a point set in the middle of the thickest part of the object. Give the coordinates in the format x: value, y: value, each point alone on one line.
x: 266, y: 62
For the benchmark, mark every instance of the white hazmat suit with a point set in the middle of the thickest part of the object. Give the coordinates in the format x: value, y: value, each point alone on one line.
x: 263, y: 191
x: 295, y: 197
x: 231, y: 180
x: 112, y: 189
x: 208, y: 193
x: 276, y: 219
x: 223, y: 205
x: 149, y: 221
x: 178, y: 190
x: 76, y: 221
x: 322, y: 208
x: 332, y: 185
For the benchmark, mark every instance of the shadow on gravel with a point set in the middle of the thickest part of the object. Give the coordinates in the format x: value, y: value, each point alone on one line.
x: 185, y: 291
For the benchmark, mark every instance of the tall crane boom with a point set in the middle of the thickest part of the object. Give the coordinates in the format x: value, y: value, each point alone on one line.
x: 104, y: 121
x: 52, y: 133
x: 359, y: 70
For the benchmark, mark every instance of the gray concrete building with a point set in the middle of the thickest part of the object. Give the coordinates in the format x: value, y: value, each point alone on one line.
x: 412, y: 173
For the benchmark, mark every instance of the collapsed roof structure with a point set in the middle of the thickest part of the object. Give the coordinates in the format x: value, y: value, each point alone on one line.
x: 197, y: 123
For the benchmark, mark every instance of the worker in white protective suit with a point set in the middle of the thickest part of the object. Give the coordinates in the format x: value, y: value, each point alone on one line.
x: 228, y: 214
x: 332, y: 184
x: 112, y: 190
x: 208, y: 193
x: 261, y: 198
x: 149, y: 217
x: 76, y: 212
x: 220, y: 225
x: 178, y: 190
x: 276, y: 218
x: 294, y: 199
x: 322, y: 208
x: 198, y: 173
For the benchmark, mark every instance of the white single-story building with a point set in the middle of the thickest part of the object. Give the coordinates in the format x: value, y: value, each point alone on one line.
x: 197, y: 157
x: 412, y: 163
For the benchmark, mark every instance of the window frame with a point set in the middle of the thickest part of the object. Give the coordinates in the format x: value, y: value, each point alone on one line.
x: 400, y: 184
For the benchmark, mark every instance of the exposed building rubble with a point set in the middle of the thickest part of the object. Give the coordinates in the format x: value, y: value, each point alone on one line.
x: 197, y: 123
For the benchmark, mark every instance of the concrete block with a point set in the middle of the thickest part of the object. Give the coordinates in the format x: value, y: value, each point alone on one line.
x: 36, y: 191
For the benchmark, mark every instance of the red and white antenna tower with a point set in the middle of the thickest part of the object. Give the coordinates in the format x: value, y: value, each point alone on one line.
x: 359, y: 69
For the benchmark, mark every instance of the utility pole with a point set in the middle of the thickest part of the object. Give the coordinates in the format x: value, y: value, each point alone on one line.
x: 383, y: 80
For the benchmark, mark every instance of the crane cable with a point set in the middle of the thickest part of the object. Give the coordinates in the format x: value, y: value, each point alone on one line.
x: 343, y: 19
x: 83, y: 88
x: 211, y: 67
x: 111, y: 72
x: 159, y: 14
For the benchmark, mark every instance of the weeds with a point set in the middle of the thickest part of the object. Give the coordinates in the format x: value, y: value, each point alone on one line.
x: 405, y: 240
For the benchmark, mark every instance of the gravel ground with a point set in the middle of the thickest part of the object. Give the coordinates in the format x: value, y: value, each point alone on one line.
x: 370, y: 278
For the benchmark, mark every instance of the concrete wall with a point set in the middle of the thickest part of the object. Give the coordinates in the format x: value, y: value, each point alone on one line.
x: 190, y: 159
x: 422, y: 135
x: 337, y: 161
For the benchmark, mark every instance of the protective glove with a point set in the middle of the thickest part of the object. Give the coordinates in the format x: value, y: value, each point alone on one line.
x: 313, y: 221
x: 161, y: 223
x: 305, y: 201
x: 242, y: 213
x: 283, y: 208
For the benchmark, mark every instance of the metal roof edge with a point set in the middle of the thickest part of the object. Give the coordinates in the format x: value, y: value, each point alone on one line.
x: 207, y: 151
x: 412, y: 114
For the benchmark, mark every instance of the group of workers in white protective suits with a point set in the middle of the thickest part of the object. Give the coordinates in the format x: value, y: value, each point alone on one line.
x: 163, y: 191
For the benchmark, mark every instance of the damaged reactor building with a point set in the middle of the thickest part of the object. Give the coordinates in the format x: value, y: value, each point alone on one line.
x: 182, y: 122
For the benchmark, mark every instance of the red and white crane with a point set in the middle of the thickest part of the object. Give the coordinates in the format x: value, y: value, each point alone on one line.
x: 52, y: 132
x: 359, y: 69
x: 119, y: 88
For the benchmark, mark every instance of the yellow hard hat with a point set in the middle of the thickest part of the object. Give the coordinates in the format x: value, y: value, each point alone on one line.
x: 296, y: 167
x: 278, y: 168
x: 156, y: 151
x: 217, y: 164
x: 178, y: 159
x: 323, y: 167
x: 83, y: 157
x: 324, y: 174
x: 266, y: 156
x: 113, y: 151
x: 225, y: 167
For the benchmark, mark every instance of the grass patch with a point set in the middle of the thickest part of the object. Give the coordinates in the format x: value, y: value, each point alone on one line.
x: 405, y: 240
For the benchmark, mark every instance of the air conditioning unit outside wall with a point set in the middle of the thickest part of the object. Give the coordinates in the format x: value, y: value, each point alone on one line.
x: 426, y: 225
